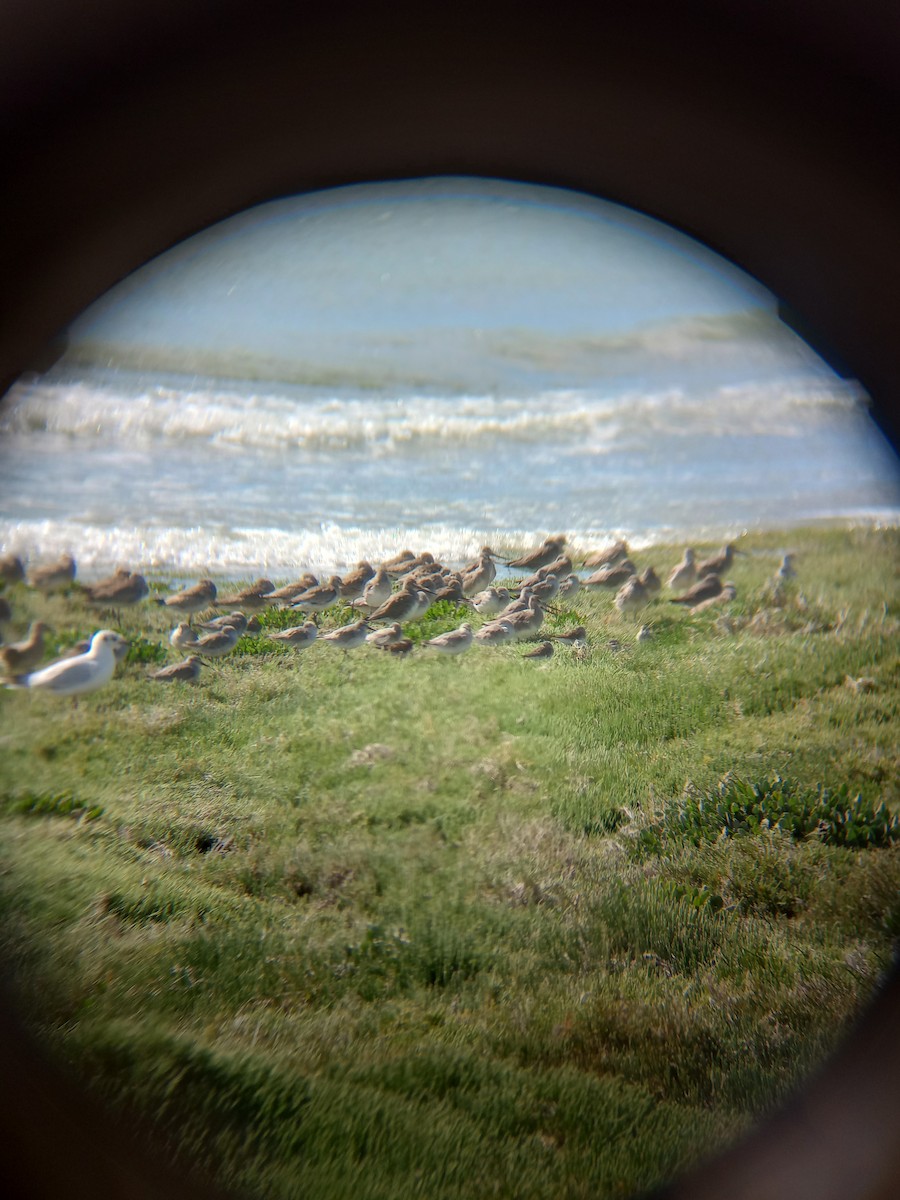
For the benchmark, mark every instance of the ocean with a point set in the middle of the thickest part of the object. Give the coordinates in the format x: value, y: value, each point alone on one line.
x: 686, y: 433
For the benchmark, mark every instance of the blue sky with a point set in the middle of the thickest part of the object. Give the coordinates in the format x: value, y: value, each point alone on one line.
x: 396, y: 258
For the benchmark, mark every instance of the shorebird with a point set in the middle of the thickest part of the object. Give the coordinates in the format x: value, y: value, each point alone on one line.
x: 452, y: 591
x: 254, y: 597
x: 561, y: 566
x: 717, y: 563
x: 74, y: 676
x: 401, y: 647
x: 728, y: 592
x: 182, y: 636
x: 317, y: 599
x: 491, y: 600
x: 290, y: 591
x: 376, y: 592
x: 401, y: 606
x: 399, y: 562
x: 192, y: 600
x: 527, y: 620
x: 19, y: 658
x: 786, y: 570
x: 572, y: 637
x: 684, y: 574
x: 545, y: 589
x: 704, y: 589
x: 12, y: 569
x: 235, y: 620
x: 568, y: 586
x: 543, y: 556
x: 544, y: 650
x: 632, y: 595
x: 218, y: 644
x: 298, y: 637
x: 607, y: 558
x: 53, y: 576
x: 348, y: 637
x: 651, y: 581
x: 354, y: 581
x: 478, y: 575
x: 118, y: 591
x: 612, y: 576
x: 645, y: 634
x: 384, y: 637
x: 495, y: 633
x: 454, y: 642
x: 183, y: 672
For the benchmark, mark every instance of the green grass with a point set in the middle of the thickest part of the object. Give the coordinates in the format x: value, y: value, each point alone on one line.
x: 348, y: 924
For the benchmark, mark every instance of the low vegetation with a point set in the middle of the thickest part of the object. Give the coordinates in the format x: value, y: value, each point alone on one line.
x: 361, y: 925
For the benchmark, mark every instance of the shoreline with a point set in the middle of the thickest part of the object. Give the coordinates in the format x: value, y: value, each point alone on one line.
x: 466, y: 544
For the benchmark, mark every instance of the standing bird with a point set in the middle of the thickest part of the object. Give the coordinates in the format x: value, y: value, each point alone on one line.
x: 118, y: 591
x: 543, y: 556
x: 717, y: 563
x: 651, y: 581
x: 645, y: 634
x: 492, y: 600
x: 632, y: 596
x: 384, y: 637
x: 684, y: 574
x: 12, y: 569
x: 290, y: 591
x: 348, y: 637
x: 219, y: 643
x: 254, y: 597
x: 235, y: 620
x: 183, y: 672
x: 786, y: 570
x: 317, y: 599
x: 53, y: 576
x: 19, y: 658
x: 704, y: 589
x: 192, y: 600
x: 478, y: 575
x: 495, y: 633
x: 568, y: 586
x: 74, y: 676
x: 454, y: 642
x: 298, y: 637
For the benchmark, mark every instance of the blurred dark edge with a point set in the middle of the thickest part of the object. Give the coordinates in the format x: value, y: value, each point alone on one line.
x: 769, y: 130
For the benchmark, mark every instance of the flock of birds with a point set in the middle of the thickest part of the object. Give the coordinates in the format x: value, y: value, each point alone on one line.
x: 387, y: 597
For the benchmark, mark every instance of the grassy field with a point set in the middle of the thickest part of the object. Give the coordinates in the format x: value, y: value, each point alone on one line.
x: 481, y: 926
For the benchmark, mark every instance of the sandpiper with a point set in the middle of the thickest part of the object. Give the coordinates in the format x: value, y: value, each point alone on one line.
x: 12, y: 569
x: 192, y: 600
x: 53, y: 576
x: 728, y: 593
x: 575, y: 636
x: 568, y: 586
x: 527, y: 620
x: 254, y: 597
x: 544, y: 650
x: 645, y: 634
x: 348, y: 637
x: 354, y: 581
x: 704, y: 589
x: 376, y: 592
x: 298, y: 637
x: 491, y: 600
x: 717, y: 563
x: 290, y: 591
x: 183, y: 672
x: 543, y: 556
x: 651, y: 581
x: 384, y: 637
x: 118, y: 591
x: 608, y: 557
x: 219, y: 643
x: 399, y: 562
x: 317, y: 599
x: 478, y: 575
x: 611, y: 576
x: 75, y: 676
x: 787, y: 570
x: 454, y: 642
x: 402, y: 606
x: 18, y: 658
x: 401, y: 647
x: 684, y: 574
x: 183, y: 636
x: 632, y: 595
x: 235, y: 620
x: 495, y: 633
